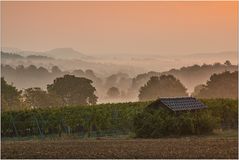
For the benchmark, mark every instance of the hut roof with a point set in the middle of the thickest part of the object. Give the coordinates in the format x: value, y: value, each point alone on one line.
x: 178, y: 103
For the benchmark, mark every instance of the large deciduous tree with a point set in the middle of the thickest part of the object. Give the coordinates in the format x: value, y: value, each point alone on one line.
x: 223, y: 85
x: 73, y: 90
x: 113, y: 92
x: 163, y: 86
x: 38, y: 98
x: 10, y: 97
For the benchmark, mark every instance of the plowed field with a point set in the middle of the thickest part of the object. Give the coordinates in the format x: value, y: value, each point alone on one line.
x: 118, y: 148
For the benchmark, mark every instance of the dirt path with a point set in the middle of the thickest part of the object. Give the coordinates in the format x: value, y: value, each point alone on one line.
x: 113, y: 148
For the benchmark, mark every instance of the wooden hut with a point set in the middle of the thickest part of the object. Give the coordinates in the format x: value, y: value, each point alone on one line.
x: 178, y: 104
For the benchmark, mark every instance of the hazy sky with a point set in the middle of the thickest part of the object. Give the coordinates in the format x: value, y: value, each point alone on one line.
x: 121, y: 27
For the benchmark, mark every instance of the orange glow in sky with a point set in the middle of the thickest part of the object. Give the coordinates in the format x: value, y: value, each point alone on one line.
x: 121, y: 27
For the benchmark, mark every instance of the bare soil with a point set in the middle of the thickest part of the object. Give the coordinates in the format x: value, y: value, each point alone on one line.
x: 190, y: 147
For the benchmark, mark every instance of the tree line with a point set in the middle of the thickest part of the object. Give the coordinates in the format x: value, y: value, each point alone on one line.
x: 64, y: 91
x: 72, y: 90
x: 127, y: 87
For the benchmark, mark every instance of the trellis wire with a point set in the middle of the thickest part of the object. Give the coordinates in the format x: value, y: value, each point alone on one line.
x: 39, y: 122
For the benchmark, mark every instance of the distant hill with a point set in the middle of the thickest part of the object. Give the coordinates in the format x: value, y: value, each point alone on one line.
x: 141, y: 62
x: 14, y: 56
x: 38, y: 57
x: 50, y: 58
x: 57, y: 53
x: 5, y: 55
x: 213, y: 57
x: 10, y: 50
x: 65, y: 53
x: 225, y: 54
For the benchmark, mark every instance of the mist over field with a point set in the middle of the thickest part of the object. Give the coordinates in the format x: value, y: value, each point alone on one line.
x: 132, y: 64
x: 26, y: 69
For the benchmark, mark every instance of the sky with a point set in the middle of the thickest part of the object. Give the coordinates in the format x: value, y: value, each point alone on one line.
x: 160, y: 28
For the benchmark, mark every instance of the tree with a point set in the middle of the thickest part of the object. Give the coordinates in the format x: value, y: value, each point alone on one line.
x: 20, y: 69
x: 31, y: 69
x: 78, y: 72
x: 223, y: 85
x: 89, y: 73
x: 111, y: 80
x: 113, y: 92
x: 228, y: 63
x: 38, y: 98
x: 73, y: 90
x: 55, y: 70
x: 163, y: 86
x: 10, y: 96
x: 197, y: 89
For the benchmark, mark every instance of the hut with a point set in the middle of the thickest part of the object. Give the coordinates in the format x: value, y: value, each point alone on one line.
x: 178, y: 104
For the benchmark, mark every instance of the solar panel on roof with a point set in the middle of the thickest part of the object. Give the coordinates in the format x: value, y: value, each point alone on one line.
x: 182, y: 103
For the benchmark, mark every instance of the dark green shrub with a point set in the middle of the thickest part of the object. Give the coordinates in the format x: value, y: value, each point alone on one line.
x: 142, y: 130
x: 205, y: 122
x: 185, y: 124
x: 160, y: 123
x: 226, y: 110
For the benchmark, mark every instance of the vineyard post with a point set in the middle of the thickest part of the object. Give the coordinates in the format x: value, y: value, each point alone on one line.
x: 39, y: 129
x: 66, y: 127
x: 44, y: 124
x: 14, y: 126
x: 89, y: 124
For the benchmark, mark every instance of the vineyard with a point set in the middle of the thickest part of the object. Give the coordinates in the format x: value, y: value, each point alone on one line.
x: 96, y: 120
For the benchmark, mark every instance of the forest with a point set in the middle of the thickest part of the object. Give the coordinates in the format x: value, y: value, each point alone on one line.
x: 120, y: 87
